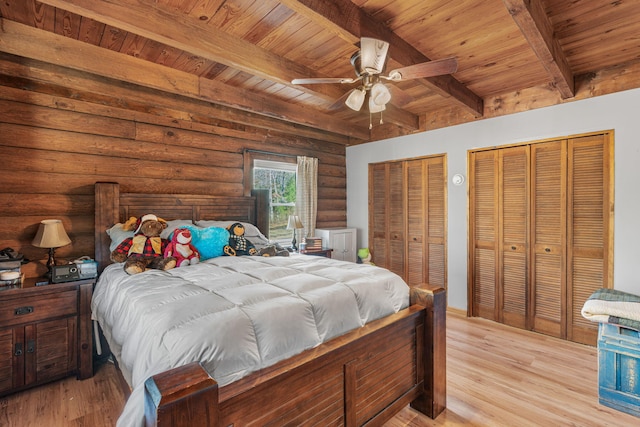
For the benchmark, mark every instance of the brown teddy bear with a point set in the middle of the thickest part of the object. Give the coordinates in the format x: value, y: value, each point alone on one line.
x: 145, y: 250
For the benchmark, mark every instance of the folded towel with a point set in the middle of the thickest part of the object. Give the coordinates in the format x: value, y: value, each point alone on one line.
x: 612, y: 306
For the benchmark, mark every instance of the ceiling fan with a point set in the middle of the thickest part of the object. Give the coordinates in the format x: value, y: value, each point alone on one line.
x: 369, y: 63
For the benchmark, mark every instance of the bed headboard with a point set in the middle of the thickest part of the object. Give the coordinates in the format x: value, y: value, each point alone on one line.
x: 112, y: 207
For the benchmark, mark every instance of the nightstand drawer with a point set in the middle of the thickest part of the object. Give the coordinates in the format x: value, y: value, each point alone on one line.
x: 34, y: 308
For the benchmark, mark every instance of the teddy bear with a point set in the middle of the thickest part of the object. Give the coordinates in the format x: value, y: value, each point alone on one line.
x: 273, y: 250
x: 181, y: 248
x: 238, y: 244
x: 145, y: 250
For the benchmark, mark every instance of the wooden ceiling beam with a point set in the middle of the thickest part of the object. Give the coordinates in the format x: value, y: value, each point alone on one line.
x: 29, y: 42
x: 534, y: 24
x: 154, y: 22
x: 150, y: 20
x: 350, y: 23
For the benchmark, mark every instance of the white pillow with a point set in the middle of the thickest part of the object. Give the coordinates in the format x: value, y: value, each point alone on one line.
x: 118, y: 235
x: 172, y: 225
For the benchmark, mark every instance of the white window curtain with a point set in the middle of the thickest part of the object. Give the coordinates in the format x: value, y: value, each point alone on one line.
x: 307, y: 193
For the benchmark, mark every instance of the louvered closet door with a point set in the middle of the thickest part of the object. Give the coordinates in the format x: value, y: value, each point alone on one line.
x: 484, y: 223
x: 396, y: 219
x: 417, y: 185
x: 436, y: 273
x: 387, y: 216
x: 548, y: 222
x: 513, y: 221
x: 426, y: 221
x: 588, y: 219
x: 378, y: 214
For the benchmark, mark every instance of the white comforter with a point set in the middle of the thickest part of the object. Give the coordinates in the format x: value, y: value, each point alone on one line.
x: 234, y: 314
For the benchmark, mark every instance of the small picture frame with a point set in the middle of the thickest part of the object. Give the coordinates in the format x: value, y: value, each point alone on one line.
x: 313, y: 243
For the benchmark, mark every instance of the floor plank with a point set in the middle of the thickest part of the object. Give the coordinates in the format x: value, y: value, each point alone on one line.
x: 496, y: 376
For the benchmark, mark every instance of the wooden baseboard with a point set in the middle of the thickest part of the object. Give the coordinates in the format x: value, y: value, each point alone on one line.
x: 457, y: 311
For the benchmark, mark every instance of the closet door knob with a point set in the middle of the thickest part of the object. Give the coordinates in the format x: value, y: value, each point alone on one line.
x: 547, y: 250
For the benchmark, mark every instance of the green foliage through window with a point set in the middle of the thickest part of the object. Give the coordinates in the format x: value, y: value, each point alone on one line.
x: 280, y: 179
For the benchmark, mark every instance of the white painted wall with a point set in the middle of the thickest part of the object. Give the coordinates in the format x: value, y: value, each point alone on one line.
x: 619, y: 111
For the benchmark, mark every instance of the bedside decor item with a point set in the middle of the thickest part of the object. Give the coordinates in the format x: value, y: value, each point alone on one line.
x: 51, y: 235
x: 294, y: 224
x: 313, y: 244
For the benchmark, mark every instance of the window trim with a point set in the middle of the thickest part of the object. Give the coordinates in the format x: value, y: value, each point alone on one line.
x: 250, y: 156
x: 253, y: 158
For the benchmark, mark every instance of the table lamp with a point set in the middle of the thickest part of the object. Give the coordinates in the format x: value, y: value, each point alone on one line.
x: 51, y: 235
x: 294, y: 224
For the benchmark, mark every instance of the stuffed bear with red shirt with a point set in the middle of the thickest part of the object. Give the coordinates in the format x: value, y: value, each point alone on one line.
x: 145, y: 250
x: 181, y: 249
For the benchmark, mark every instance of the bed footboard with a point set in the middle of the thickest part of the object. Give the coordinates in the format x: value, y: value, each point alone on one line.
x: 185, y: 396
x: 433, y: 399
x: 362, y: 378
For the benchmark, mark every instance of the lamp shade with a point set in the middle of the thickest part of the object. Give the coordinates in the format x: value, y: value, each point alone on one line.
x: 380, y: 94
x: 51, y: 234
x: 355, y: 99
x: 294, y: 222
x: 376, y: 108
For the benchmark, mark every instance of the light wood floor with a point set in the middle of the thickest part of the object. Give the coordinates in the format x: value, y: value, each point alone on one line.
x: 496, y: 376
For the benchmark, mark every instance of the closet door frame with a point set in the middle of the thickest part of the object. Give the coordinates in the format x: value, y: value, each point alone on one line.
x: 608, y: 220
x: 404, y: 234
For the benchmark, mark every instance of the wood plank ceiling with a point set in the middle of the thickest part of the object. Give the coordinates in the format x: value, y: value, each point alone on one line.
x: 513, y: 55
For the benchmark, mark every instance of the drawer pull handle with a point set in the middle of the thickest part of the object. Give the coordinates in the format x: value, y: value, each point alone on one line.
x: 23, y: 310
x: 18, y: 351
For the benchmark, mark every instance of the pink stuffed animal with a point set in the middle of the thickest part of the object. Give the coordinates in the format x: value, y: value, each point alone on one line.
x: 181, y: 249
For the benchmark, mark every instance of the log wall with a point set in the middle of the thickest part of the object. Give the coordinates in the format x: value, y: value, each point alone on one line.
x: 63, y: 130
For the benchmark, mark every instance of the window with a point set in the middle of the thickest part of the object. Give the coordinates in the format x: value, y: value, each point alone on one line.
x: 280, y: 179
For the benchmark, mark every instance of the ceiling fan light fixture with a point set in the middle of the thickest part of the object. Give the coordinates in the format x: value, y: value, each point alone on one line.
x: 355, y: 99
x: 380, y: 94
x: 374, y: 107
x: 373, y: 55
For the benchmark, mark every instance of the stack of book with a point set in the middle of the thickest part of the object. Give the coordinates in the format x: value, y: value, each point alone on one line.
x: 10, y: 263
x: 313, y: 244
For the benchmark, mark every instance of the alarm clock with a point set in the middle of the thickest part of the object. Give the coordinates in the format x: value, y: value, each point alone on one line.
x: 64, y: 273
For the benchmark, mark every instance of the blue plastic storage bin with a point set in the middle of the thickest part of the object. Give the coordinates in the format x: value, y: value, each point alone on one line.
x: 619, y: 368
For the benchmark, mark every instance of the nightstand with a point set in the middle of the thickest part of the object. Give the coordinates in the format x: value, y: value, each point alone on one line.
x: 45, y: 333
x: 320, y: 252
x: 342, y: 240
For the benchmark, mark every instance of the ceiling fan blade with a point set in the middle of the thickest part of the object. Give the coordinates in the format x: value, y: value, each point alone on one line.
x: 425, y: 69
x: 373, y: 54
x: 318, y: 80
x: 399, y: 97
x: 339, y: 103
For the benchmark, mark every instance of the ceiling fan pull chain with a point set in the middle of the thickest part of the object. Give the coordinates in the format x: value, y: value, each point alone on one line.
x: 381, y: 122
x: 370, y: 125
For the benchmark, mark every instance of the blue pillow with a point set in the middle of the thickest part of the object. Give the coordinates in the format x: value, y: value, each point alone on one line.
x: 208, y: 241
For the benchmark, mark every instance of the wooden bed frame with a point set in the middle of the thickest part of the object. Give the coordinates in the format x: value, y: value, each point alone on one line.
x: 361, y: 378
